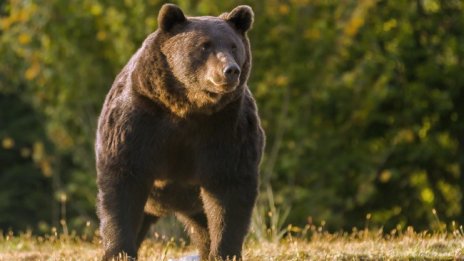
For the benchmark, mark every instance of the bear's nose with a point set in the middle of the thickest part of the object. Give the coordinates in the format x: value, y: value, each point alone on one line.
x: 232, y: 71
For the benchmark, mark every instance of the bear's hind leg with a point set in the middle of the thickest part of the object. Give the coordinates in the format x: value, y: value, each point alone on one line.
x: 197, y: 227
x: 148, y: 220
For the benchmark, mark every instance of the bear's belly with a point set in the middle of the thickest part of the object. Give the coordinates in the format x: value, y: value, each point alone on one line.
x: 168, y: 197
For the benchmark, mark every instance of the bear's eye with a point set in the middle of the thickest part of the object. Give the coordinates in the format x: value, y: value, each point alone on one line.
x: 206, y: 46
x: 233, y: 47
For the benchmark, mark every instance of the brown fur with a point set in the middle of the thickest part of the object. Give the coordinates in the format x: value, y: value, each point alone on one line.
x: 179, y: 133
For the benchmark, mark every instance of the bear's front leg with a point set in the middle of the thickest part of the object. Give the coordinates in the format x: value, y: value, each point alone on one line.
x: 121, y: 200
x: 228, y: 208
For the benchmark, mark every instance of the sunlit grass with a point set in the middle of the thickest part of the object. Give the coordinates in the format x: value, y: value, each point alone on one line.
x: 365, y: 244
x: 311, y: 243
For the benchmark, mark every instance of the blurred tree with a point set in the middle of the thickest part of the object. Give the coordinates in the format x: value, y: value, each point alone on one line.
x: 25, y: 186
x: 360, y: 101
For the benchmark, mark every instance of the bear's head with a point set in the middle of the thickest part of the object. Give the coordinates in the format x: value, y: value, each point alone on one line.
x: 195, y: 64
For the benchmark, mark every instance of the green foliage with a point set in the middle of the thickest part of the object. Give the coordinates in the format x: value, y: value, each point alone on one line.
x: 25, y: 194
x: 361, y: 102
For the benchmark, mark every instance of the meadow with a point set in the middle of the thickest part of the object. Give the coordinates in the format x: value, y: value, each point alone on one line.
x: 312, y: 243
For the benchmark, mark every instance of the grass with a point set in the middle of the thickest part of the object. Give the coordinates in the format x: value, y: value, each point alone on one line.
x: 319, y: 245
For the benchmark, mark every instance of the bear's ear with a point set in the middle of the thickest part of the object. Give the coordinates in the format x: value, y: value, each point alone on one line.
x: 241, y: 18
x: 170, y: 15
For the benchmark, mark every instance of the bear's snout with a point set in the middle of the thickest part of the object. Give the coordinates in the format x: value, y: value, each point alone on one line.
x: 224, y: 72
x: 225, y: 77
x: 231, y: 72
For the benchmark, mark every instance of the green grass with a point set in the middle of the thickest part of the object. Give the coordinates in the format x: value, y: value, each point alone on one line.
x: 356, y: 245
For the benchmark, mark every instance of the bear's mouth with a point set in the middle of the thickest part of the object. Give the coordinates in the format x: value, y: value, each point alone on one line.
x: 222, y: 87
x: 213, y: 95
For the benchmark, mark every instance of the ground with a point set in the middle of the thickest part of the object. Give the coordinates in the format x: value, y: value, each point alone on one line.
x: 360, y: 245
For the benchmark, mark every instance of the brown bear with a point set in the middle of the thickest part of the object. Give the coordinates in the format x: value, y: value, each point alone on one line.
x: 179, y: 133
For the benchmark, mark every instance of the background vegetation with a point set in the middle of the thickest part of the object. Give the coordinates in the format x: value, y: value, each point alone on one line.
x: 362, y: 103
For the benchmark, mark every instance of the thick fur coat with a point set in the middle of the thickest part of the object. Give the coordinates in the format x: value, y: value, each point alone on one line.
x: 179, y: 134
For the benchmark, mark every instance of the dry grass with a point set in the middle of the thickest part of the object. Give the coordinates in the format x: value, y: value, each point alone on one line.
x: 358, y: 245
x: 336, y: 247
